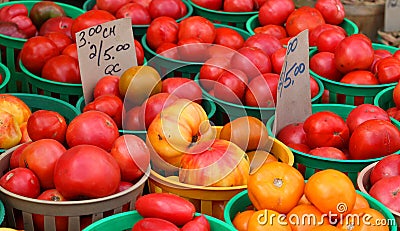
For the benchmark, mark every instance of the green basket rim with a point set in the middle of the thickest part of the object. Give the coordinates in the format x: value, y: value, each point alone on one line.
x: 375, y: 45
x: 6, y: 78
x: 379, y: 95
x: 30, y: 74
x: 335, y: 161
x: 222, y: 13
x: 385, y: 211
x: 315, y: 98
x: 97, y: 224
x: 144, y: 26
x: 63, y: 5
x: 185, y: 63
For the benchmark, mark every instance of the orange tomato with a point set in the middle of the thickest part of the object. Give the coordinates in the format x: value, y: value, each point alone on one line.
x: 325, y: 228
x: 366, y: 219
x: 331, y: 191
x: 305, y: 218
x: 304, y: 201
x: 241, y: 220
x: 269, y: 158
x: 268, y: 220
x: 361, y: 202
x: 276, y: 186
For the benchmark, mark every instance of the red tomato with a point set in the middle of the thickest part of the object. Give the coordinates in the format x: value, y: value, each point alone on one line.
x: 275, y: 12
x: 14, y: 159
x: 46, y: 124
x: 150, y: 224
x: 267, y: 43
x: 168, y: 50
x: 198, y: 223
x: 61, y: 221
x: 40, y: 157
x: 92, y: 127
x: 111, y: 5
x: 305, y: 17
x: 138, y: 14
x: 61, y: 24
x: 36, y: 51
x: 314, y: 87
x: 21, y: 181
x: 262, y: 91
x: 388, y: 166
x: 314, y: 33
x: 252, y: 61
x: 396, y: 95
x: 161, y: 30
x: 326, y: 129
x: 144, y: 3
x: 139, y: 53
x: 133, y: 119
x: 363, y: 113
x: 329, y: 39
x: 277, y: 31
x: 353, y: 53
x: 277, y: 59
x: 388, y: 70
x: 166, y: 206
x: 62, y: 68
x: 378, y: 55
x: 361, y: 77
x: 300, y: 147
x: 73, y: 180
x: 91, y: 18
x: 396, y: 54
x: 323, y: 64
x: 292, y: 134
x: 107, y: 85
x: 182, y: 88
x: 385, y: 191
x: 169, y: 8
x: 132, y: 156
x: 192, y: 50
x: 211, y: 70
x: 378, y: 138
x: 231, y: 86
x: 197, y: 27
x: 112, y: 105
x: 332, y: 10
x: 209, y: 4
x: 71, y: 50
x: 228, y: 37
x: 328, y: 152
x: 238, y: 5
x: 155, y: 104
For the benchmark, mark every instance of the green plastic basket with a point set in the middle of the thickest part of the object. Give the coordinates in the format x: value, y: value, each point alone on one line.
x: 126, y: 220
x: 139, y: 30
x: 236, y: 19
x: 10, y: 48
x: 41, y: 102
x: 68, y: 92
x: 241, y: 201
x: 351, y: 91
x: 171, y: 67
x: 226, y: 111
x: 384, y: 98
x: 208, y: 105
x: 6, y: 76
x: 313, y: 163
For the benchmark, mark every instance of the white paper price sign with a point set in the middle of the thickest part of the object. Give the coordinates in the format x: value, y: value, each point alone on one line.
x: 294, y: 98
x: 104, y: 49
x: 392, y: 16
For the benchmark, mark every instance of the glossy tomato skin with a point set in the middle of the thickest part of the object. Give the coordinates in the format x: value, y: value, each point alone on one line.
x: 329, y: 39
x: 396, y: 96
x: 388, y: 70
x: 133, y: 119
x: 60, y: 39
x: 61, y: 221
x: 261, y: 91
x: 57, y: 24
x: 110, y: 104
x: 323, y: 64
x: 139, y: 52
x: 277, y: 31
x: 21, y: 181
x: 209, y: 4
x: 111, y: 6
x: 358, y: 77
x: 151, y: 223
x: 292, y: 134
x: 14, y: 159
x: 363, y: 113
x: 305, y: 17
x: 182, y: 88
x: 73, y: 180
x: 71, y: 50
x: 192, y: 50
x: 89, y: 19
x: 275, y: 12
x: 211, y: 70
x: 92, y: 127
x: 385, y: 191
x: 328, y: 152
x: 386, y: 167
x: 132, y: 156
x: 169, y: 8
x: 166, y: 206
x: 378, y: 138
x: 48, y: 124
x: 162, y: 29
x: 267, y: 43
x: 252, y: 61
x: 155, y: 104
x: 35, y: 53
x: 229, y: 38
x: 62, y: 68
x: 198, y: 223
x: 277, y: 59
x: 108, y: 84
x: 40, y: 157
x: 238, y: 5
x: 332, y: 10
x: 138, y: 14
x: 231, y: 86
x: 314, y: 33
x: 197, y: 27
x: 326, y: 128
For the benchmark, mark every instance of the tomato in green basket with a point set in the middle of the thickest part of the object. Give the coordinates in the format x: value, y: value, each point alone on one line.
x: 57, y: 24
x: 110, y: 104
x: 111, y: 6
x: 150, y: 224
x: 62, y: 68
x: 332, y: 10
x: 44, y: 10
x: 198, y: 223
x: 89, y: 19
x: 46, y: 124
x: 388, y: 70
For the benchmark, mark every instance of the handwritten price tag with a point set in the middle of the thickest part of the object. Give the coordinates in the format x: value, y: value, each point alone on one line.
x: 104, y: 49
x: 392, y: 17
x: 294, y: 98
